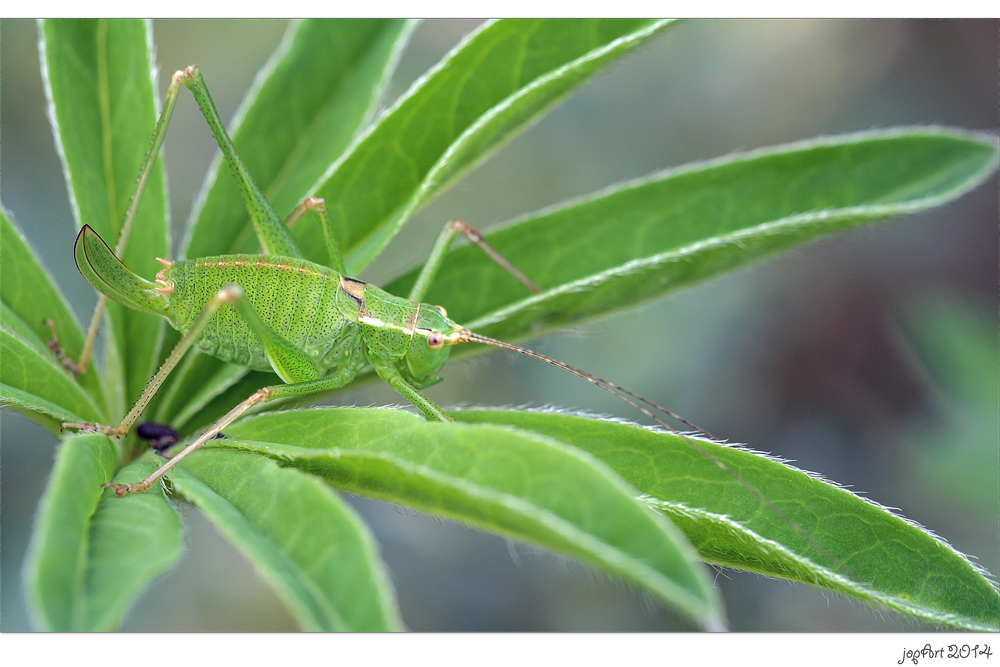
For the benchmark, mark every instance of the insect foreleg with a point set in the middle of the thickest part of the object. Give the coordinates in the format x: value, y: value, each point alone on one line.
x: 387, y: 371
x: 440, y: 249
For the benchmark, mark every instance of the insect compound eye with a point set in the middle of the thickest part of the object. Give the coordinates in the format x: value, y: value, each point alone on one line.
x: 435, y: 340
x: 440, y: 309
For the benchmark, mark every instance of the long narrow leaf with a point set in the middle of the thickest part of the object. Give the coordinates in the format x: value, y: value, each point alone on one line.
x: 649, y: 237
x: 99, y: 78
x: 132, y: 540
x: 56, y: 575
x: 308, y: 544
x: 30, y: 374
x: 505, y: 480
x: 27, y: 288
x: 89, y: 557
x: 46, y: 413
x: 492, y: 85
x: 857, y: 548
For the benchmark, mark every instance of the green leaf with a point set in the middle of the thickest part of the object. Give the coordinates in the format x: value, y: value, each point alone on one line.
x: 646, y: 238
x: 507, y: 481
x: 56, y: 575
x: 99, y: 77
x: 32, y: 381
x: 876, y: 556
x: 44, y: 412
x: 132, y: 540
x: 29, y: 291
x: 496, y: 82
x: 304, y: 540
x: 14, y: 324
x: 306, y: 105
x: 90, y: 557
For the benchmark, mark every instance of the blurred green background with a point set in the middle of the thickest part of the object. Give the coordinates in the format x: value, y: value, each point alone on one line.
x: 870, y: 357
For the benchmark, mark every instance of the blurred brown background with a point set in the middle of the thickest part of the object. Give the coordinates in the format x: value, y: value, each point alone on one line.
x: 809, y: 355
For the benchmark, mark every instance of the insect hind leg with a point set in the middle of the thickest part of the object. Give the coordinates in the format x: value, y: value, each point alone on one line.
x: 228, y: 294
x: 261, y: 395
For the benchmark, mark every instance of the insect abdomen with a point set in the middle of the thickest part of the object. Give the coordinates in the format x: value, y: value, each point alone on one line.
x: 294, y: 297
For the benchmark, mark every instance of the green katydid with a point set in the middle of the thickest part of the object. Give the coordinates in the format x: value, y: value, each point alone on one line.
x: 311, y: 324
x: 314, y: 326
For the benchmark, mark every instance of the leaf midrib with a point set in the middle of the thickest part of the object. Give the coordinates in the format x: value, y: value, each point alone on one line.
x: 585, y: 545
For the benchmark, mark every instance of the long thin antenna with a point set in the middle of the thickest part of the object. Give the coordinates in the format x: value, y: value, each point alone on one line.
x: 593, y: 379
x: 616, y: 390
